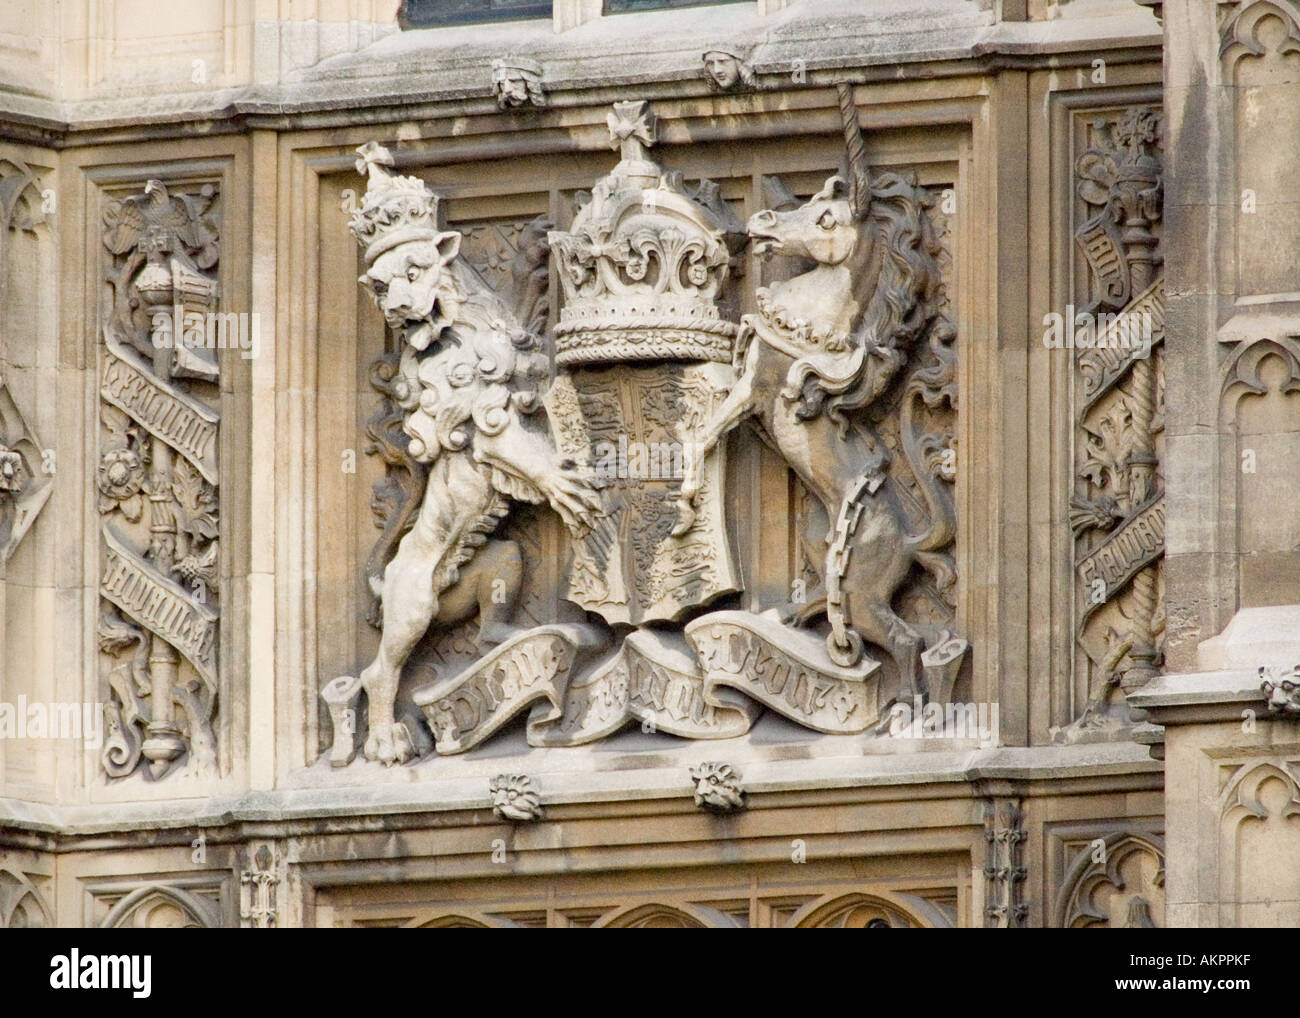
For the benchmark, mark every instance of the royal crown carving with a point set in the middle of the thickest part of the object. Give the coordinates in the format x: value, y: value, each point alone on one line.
x: 643, y: 264
x: 395, y: 209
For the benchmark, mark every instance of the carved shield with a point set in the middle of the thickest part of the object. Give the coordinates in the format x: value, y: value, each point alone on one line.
x: 638, y: 426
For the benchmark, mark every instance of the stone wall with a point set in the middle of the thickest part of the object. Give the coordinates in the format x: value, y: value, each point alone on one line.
x: 220, y: 148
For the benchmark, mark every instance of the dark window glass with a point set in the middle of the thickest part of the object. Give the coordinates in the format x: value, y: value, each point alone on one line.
x: 430, y: 13
x: 618, y: 6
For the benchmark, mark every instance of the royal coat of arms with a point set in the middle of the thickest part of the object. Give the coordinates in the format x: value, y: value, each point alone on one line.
x: 618, y: 424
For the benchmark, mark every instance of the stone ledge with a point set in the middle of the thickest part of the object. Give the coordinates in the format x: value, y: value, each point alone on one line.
x: 665, y: 779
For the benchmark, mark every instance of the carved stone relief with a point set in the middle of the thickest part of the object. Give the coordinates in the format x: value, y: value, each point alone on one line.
x: 157, y: 479
x: 623, y: 438
x: 1117, y: 512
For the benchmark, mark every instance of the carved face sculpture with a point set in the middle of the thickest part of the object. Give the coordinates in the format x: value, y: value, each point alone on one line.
x: 512, y: 88
x: 723, y: 68
x: 412, y: 287
x: 717, y: 788
x: 514, y: 798
x: 1283, y: 696
x: 822, y: 230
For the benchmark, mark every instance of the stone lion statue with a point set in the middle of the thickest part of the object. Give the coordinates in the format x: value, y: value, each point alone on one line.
x: 470, y: 382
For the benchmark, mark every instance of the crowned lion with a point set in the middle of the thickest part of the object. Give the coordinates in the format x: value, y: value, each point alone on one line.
x: 470, y: 383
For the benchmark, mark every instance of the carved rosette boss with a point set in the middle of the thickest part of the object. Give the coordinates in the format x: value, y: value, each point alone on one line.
x: 644, y: 357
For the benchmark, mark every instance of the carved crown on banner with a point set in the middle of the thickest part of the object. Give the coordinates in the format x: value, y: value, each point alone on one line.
x: 643, y: 264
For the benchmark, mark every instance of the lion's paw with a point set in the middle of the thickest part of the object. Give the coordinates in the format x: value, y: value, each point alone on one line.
x: 389, y: 744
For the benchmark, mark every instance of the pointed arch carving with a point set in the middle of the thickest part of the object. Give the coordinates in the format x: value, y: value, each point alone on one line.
x: 159, y: 906
x: 1132, y: 868
x: 676, y: 915
x: 860, y: 910
x: 1241, y: 35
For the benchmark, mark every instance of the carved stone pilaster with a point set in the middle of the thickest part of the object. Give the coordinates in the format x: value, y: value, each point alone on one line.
x: 1004, y: 869
x: 259, y: 883
x: 157, y: 478
x: 1117, y: 512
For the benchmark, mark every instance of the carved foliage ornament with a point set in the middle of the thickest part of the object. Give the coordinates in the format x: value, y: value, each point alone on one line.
x: 157, y: 479
x: 623, y: 439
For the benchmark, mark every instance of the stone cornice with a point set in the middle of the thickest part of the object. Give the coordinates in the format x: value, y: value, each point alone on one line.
x: 426, y: 82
